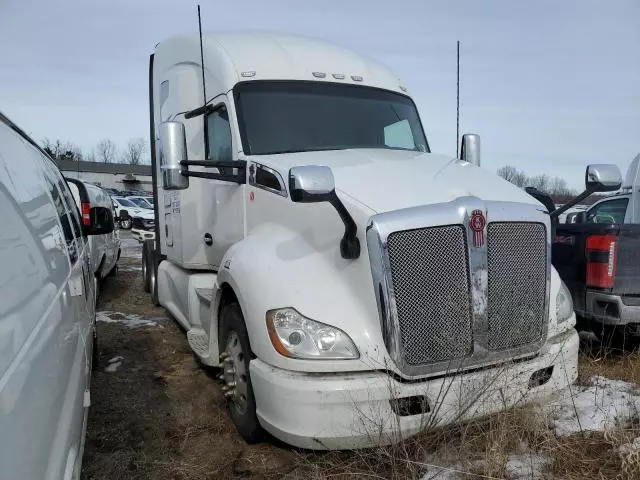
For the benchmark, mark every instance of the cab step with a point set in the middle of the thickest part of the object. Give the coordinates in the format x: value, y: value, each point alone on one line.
x: 199, y: 342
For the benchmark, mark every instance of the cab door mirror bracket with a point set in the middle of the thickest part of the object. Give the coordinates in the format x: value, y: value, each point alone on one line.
x: 315, y: 183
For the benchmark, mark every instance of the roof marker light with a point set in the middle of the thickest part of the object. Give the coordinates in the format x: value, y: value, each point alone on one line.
x: 356, y: 78
x: 338, y: 76
x: 319, y: 74
x: 252, y: 73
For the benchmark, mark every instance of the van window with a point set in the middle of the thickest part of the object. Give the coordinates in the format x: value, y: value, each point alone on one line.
x: 219, y: 135
x: 70, y: 224
x: 610, y: 211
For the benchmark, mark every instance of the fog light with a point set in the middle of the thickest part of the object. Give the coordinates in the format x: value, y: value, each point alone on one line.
x: 540, y: 377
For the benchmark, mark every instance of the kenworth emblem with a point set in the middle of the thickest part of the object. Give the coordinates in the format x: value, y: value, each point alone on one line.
x: 476, y: 223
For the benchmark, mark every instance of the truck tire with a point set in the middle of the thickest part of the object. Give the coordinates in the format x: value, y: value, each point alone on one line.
x: 152, y: 273
x: 95, y: 351
x: 146, y: 284
x: 241, y: 403
x: 126, y: 224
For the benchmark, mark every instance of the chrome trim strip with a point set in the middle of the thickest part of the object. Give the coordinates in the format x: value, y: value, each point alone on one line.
x: 456, y: 212
x: 253, y: 167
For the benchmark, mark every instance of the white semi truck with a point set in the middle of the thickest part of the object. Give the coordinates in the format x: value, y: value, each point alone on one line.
x: 352, y: 287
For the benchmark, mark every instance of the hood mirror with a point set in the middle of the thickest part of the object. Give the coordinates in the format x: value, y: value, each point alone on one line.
x: 315, y: 183
x: 470, y: 148
x: 311, y: 183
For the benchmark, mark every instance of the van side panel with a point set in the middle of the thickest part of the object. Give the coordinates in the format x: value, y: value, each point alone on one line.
x: 42, y: 336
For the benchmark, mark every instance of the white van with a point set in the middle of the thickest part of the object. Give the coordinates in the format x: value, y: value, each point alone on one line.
x: 104, y: 249
x: 47, y: 314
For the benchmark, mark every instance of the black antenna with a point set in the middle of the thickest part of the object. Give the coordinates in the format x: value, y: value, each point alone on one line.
x: 457, y: 99
x: 204, y: 88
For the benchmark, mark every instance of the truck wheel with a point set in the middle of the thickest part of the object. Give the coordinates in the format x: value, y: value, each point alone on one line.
x: 145, y: 268
x: 95, y: 351
x: 152, y: 272
x: 236, y: 379
x: 125, y: 224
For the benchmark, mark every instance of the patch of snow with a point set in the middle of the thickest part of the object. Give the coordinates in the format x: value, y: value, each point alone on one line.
x: 129, y: 320
x: 527, y: 467
x: 129, y: 267
x: 602, y: 405
x: 130, y: 248
x: 114, y: 364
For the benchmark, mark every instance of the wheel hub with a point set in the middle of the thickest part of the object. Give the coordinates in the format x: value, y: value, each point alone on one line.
x: 234, y: 373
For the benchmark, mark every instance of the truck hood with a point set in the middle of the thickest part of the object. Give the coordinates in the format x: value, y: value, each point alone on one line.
x: 386, y: 180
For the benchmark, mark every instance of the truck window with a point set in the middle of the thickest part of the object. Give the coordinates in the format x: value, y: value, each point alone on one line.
x: 219, y: 135
x: 610, y: 211
x: 296, y: 116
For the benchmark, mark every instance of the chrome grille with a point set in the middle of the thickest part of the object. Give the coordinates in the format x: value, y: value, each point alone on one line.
x: 430, y: 275
x: 517, y: 276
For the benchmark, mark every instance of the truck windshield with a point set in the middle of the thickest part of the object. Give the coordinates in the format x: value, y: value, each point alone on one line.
x: 298, y: 116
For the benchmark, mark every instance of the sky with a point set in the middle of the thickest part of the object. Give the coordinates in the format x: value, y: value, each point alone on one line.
x: 550, y: 86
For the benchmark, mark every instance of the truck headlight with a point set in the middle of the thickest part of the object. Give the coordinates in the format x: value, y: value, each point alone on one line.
x: 564, y: 303
x: 296, y: 336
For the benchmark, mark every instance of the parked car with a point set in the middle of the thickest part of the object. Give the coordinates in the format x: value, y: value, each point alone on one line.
x: 142, y: 202
x: 47, y: 313
x: 131, y: 210
x: 143, y: 225
x: 104, y: 249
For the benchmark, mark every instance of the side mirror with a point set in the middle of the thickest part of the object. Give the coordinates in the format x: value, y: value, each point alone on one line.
x: 576, y: 217
x: 173, y: 150
x: 311, y: 183
x: 470, y: 148
x: 124, y: 216
x: 100, y: 221
x: 602, y: 178
x: 315, y: 183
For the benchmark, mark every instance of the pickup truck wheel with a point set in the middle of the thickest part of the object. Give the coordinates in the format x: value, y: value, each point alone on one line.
x: 125, y: 224
x: 235, y: 373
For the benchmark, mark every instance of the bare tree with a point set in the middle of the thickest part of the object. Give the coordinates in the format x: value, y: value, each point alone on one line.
x: 62, y: 150
x: 541, y: 182
x: 508, y: 172
x: 133, y: 152
x: 513, y: 175
x: 106, y: 151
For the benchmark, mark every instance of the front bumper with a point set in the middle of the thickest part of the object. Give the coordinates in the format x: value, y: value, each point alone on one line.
x: 353, y: 410
x: 142, y: 235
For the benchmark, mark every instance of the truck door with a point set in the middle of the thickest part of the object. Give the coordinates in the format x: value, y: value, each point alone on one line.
x: 228, y: 219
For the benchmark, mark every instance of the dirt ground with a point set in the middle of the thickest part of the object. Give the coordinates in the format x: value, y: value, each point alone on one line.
x: 158, y: 414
